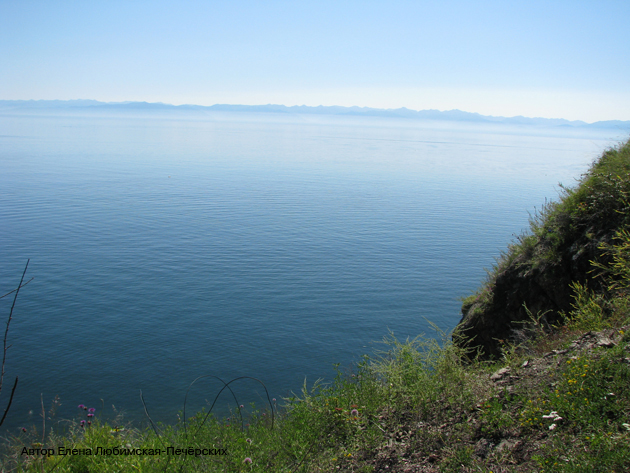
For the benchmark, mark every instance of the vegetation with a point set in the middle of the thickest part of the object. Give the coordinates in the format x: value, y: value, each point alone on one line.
x: 562, y: 256
x: 557, y: 401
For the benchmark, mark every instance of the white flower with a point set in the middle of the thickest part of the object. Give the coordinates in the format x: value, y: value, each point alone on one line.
x: 552, y: 426
x: 552, y: 415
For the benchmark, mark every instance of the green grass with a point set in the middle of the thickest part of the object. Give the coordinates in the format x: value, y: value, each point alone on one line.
x: 416, y: 399
x: 584, y: 219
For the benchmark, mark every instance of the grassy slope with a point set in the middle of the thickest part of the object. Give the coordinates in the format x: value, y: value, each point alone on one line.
x: 422, y: 405
x: 535, y: 275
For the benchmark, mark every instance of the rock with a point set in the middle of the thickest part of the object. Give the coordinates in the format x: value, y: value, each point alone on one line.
x: 605, y: 342
x: 530, y: 289
x: 505, y: 445
x: 500, y: 374
x: 482, y: 447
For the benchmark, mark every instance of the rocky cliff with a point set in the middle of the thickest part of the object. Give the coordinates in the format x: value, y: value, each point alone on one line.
x: 532, y: 279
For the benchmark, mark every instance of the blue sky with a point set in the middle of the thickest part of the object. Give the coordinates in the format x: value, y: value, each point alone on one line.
x: 554, y: 59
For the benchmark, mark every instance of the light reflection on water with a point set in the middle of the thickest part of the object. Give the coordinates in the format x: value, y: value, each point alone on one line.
x: 163, y: 249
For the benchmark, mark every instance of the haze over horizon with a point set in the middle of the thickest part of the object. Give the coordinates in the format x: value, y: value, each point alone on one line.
x: 559, y: 60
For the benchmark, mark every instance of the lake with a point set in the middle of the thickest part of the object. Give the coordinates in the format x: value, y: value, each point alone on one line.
x: 231, y: 244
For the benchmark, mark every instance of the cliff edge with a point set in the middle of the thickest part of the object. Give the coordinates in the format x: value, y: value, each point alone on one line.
x: 537, y: 280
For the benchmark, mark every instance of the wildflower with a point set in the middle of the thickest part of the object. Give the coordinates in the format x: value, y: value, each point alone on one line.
x: 23, y: 429
x: 247, y: 460
x: 552, y: 415
x: 552, y: 426
x: 82, y: 423
x: 248, y: 440
x: 90, y: 415
x: 241, y: 406
x: 354, y: 412
x: 91, y: 410
x: 81, y: 406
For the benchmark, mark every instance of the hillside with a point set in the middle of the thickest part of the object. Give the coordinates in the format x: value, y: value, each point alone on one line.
x: 540, y: 275
x: 92, y: 106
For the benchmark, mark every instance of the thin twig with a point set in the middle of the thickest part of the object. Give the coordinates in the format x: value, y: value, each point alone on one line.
x: 5, y: 347
x: 41, y: 396
x: 21, y: 286
x: 146, y: 411
x: 6, y: 411
x: 304, y: 456
x: 225, y: 385
x: 6, y: 331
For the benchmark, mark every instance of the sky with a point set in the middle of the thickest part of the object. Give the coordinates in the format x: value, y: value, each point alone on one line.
x: 552, y: 59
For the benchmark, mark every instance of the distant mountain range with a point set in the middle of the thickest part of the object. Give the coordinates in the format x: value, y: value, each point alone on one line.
x: 450, y: 115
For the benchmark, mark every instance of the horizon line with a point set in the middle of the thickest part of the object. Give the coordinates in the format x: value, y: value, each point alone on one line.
x: 304, y: 106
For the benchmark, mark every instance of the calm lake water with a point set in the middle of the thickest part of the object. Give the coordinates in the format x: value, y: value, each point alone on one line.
x: 166, y: 248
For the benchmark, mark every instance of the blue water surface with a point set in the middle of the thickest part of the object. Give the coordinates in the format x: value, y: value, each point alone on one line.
x: 165, y: 248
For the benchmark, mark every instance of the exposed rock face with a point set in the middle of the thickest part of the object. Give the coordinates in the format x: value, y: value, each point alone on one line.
x: 534, y: 277
x: 520, y: 291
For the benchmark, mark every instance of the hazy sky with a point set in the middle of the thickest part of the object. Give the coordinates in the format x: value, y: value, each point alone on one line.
x: 551, y: 58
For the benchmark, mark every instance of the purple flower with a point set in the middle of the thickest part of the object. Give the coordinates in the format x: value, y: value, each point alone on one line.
x: 82, y: 423
x: 23, y: 429
x: 354, y: 412
x: 90, y: 415
x: 241, y: 406
x: 248, y: 440
x: 247, y: 460
x: 92, y: 410
x: 81, y: 406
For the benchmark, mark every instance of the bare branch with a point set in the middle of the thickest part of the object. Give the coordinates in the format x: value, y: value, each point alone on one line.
x: 6, y: 331
x: 21, y: 286
x: 6, y: 411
